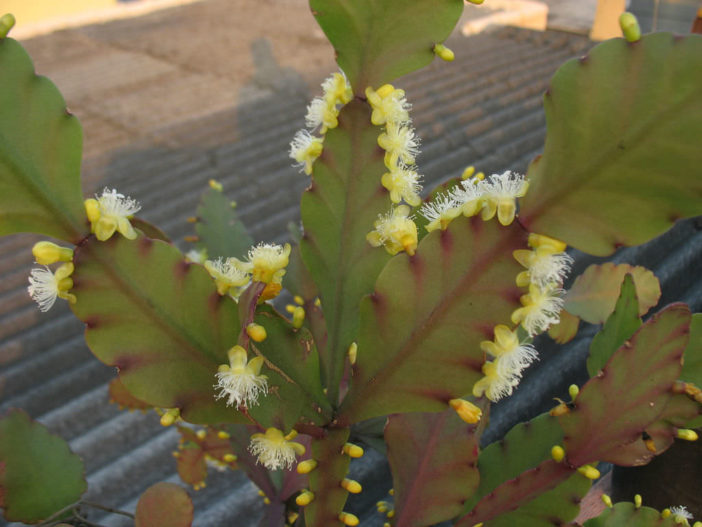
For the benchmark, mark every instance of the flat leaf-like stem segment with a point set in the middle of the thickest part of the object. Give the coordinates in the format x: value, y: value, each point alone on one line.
x: 338, y: 210
x: 594, y: 293
x: 40, y: 153
x: 614, y: 408
x: 625, y: 514
x: 218, y: 227
x: 549, y: 488
x: 420, y: 333
x: 159, y: 320
x: 501, y: 465
x: 433, y: 459
x: 524, y: 447
x: 164, y: 504
x: 325, y: 481
x: 376, y: 42
x: 622, y: 155
x: 39, y: 475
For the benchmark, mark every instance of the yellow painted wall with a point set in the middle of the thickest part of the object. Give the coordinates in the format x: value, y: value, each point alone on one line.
x: 28, y: 11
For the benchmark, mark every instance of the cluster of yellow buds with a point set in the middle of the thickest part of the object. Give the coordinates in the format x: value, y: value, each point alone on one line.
x: 45, y: 286
x: 322, y: 115
x: 297, y: 311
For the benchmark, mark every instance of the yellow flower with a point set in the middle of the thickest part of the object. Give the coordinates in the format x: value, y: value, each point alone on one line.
x: 540, y: 308
x: 494, y: 385
x: 268, y: 262
x: 544, y: 267
x: 511, y: 357
x: 440, y: 212
x: 681, y: 515
x: 111, y: 212
x: 230, y: 275
x: 469, y: 195
x: 275, y: 450
x: 400, y: 144
x: 241, y: 382
x: 389, y: 105
x: 305, y: 149
x: 337, y: 89
x: 403, y: 184
x: 501, y: 193
x: 45, y: 286
x: 395, y: 231
x: 322, y: 113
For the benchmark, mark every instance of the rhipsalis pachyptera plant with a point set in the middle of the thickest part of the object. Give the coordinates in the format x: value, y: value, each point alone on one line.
x: 420, y: 312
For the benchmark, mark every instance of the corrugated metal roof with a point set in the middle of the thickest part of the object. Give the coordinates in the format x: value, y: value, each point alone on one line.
x: 484, y: 109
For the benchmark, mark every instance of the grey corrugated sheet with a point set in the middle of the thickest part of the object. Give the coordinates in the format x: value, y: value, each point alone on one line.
x: 484, y: 109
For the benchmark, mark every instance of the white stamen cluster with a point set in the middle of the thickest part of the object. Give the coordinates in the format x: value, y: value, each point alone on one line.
x: 43, y: 287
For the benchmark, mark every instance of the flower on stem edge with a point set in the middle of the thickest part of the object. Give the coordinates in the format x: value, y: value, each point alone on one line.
x: 46, y: 286
x: 395, y: 231
x: 275, y: 450
x: 241, y: 381
x: 111, y: 212
x: 322, y: 115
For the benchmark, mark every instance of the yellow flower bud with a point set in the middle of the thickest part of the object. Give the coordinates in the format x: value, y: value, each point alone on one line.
x: 223, y: 435
x: 214, y: 184
x: 256, y: 333
x: 7, y: 22
x: 607, y: 500
x: 307, y: 466
x: 557, y: 453
x: 630, y: 27
x: 92, y: 209
x: 687, y: 434
x: 229, y: 458
x: 47, y: 253
x: 638, y: 501
x: 353, y: 353
x: 354, y: 451
x: 348, y: 519
x: 468, y: 172
x: 354, y: 487
x: 573, y: 391
x: 298, y: 317
x: 304, y: 498
x: 444, y: 53
x: 589, y: 472
x: 466, y: 410
x: 169, y: 417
